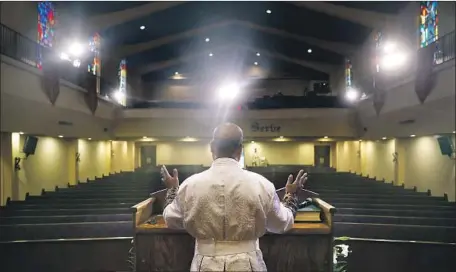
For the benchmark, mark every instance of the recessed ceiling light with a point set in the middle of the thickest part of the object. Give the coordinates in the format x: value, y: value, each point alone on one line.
x: 144, y: 137
x: 258, y: 54
x: 89, y: 139
x: 454, y: 131
x: 268, y: 11
x: 60, y: 136
x: 20, y: 132
x: 326, y: 137
x: 252, y: 142
x: 256, y: 63
x: 383, y: 138
x: 207, y: 40
x: 360, y: 140
x: 413, y: 135
x: 309, y: 50
x: 210, y: 54
x: 176, y: 73
x: 142, y: 27
x: 281, y: 137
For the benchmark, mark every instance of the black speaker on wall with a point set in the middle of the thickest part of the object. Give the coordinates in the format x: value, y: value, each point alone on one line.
x: 446, y: 145
x: 30, y: 145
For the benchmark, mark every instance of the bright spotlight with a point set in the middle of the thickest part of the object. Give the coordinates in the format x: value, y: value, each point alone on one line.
x: 142, y: 27
x: 119, y: 96
x: 176, y: 73
x: 210, y: 54
x: 268, y: 11
x: 413, y: 135
x: 393, y: 61
x: 229, y: 91
x: 76, y: 63
x: 351, y: 94
x: 258, y: 54
x: 76, y: 49
x: 255, y: 63
x: 309, y: 50
x: 64, y: 56
x: 383, y: 138
x: 207, y: 40
x: 389, y: 47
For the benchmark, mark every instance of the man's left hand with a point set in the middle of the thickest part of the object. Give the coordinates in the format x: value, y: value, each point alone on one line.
x: 170, y: 181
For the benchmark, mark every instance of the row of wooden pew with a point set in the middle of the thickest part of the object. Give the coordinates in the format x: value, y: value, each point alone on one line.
x: 101, y: 209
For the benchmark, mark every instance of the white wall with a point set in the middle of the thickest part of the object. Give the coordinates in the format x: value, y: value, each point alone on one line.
x: 201, y: 123
x: 95, y: 159
x: 419, y: 163
x: 25, y: 99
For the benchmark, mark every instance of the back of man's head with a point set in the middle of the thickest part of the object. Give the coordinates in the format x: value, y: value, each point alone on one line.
x: 227, y: 141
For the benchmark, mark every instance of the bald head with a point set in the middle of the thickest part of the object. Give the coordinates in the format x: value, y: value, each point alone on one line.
x: 227, y: 141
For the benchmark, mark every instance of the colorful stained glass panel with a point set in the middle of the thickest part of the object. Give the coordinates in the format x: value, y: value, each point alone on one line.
x: 46, y: 23
x: 429, y: 22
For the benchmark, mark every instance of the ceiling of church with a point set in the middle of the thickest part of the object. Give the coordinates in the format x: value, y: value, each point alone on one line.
x: 202, y: 38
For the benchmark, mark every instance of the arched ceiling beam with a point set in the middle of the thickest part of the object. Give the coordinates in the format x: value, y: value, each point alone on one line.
x: 337, y: 47
x: 156, y: 66
x: 128, y: 50
x: 341, y: 48
x: 318, y: 66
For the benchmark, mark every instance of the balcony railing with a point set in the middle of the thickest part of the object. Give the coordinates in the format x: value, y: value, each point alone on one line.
x: 25, y: 50
x: 444, y: 48
x: 278, y: 102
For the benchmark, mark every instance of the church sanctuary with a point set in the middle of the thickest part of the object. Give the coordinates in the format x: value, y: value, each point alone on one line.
x: 97, y: 96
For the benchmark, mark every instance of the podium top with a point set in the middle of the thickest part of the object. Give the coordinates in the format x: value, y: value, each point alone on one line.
x: 149, y: 221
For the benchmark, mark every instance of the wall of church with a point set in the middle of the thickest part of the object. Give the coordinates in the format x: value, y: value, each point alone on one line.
x: 47, y: 168
x: 198, y: 153
x: 419, y: 163
x: 122, y: 156
x: 54, y: 163
x: 94, y: 159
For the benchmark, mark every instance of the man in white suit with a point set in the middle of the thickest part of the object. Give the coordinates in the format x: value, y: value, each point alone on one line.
x: 227, y: 208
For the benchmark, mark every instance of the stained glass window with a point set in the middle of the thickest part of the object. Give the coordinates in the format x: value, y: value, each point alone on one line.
x: 123, y: 82
x: 348, y: 73
x: 46, y: 23
x: 429, y: 20
x: 94, y: 46
x: 46, y: 27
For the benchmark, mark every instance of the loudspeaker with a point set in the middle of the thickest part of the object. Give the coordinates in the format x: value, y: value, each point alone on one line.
x: 30, y: 145
x: 446, y: 145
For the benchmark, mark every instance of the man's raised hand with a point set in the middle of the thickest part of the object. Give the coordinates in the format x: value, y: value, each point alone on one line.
x: 293, y: 186
x: 170, y: 181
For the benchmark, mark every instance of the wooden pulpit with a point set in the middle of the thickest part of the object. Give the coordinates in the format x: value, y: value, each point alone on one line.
x: 307, y: 247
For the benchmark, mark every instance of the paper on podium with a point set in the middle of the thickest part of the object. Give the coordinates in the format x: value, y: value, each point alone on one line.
x: 303, y: 194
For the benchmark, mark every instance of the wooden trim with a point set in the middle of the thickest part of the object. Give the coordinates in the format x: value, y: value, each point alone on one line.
x: 327, y: 209
x: 142, y: 211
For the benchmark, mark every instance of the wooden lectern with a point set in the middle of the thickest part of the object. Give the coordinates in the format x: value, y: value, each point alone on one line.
x: 308, y: 247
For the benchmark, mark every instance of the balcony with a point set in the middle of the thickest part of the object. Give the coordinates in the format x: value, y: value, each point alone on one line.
x: 20, y: 48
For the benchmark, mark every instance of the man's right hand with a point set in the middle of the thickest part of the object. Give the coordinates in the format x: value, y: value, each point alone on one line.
x: 298, y: 184
x: 170, y: 181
